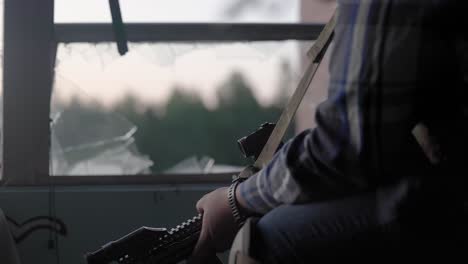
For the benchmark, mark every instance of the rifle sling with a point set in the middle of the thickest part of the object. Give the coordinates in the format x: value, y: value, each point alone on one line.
x: 315, y: 54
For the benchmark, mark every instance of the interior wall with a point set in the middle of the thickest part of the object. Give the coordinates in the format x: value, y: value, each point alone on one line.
x: 92, y: 216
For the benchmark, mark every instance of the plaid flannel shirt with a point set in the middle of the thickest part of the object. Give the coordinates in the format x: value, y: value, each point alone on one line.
x: 395, y: 63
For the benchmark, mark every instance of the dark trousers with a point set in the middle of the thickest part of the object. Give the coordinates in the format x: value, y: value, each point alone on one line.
x: 361, y: 228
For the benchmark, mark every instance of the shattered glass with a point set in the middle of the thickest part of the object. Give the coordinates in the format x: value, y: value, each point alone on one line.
x: 203, y: 165
x: 93, y: 143
x: 94, y: 76
x: 167, y: 54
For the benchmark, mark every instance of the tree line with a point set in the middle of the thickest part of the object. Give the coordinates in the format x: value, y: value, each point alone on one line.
x: 186, y: 127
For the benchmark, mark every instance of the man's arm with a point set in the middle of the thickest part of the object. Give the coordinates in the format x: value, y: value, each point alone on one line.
x: 313, y: 163
x: 386, y: 61
x: 388, y: 66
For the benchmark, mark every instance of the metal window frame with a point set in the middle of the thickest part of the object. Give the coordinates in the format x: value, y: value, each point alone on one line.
x: 30, y: 45
x: 156, y: 179
x: 180, y: 32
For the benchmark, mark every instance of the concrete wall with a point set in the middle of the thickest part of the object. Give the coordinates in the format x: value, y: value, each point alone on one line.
x: 94, y: 215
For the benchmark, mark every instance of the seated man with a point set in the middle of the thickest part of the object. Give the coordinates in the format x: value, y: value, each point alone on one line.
x: 360, y: 180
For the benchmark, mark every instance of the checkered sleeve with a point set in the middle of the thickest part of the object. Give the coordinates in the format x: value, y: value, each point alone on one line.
x: 273, y: 185
x: 386, y: 63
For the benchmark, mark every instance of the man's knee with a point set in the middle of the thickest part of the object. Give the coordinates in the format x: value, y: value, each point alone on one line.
x: 271, y: 243
x: 273, y: 225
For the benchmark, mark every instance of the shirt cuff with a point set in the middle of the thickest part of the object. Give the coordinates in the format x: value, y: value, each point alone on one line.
x: 272, y: 186
x: 251, y: 192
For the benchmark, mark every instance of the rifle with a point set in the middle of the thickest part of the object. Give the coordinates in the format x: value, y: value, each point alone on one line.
x: 148, y: 245
x: 159, y: 246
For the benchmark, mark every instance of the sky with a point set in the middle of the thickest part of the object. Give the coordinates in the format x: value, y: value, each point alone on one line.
x: 150, y: 74
x: 150, y: 71
x: 176, y: 11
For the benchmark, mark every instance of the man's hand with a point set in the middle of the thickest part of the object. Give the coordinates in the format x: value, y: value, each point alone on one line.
x: 218, y: 226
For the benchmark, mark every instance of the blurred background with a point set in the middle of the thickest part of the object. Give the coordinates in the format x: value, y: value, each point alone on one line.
x: 174, y: 107
x: 163, y: 109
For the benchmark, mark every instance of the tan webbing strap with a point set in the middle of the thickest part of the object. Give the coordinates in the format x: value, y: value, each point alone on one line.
x: 315, y: 54
x: 241, y: 247
x: 244, y: 259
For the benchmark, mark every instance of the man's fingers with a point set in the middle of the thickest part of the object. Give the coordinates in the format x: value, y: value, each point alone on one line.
x: 203, y: 250
x: 216, y: 220
x: 203, y: 246
x: 199, y: 205
x: 213, y: 259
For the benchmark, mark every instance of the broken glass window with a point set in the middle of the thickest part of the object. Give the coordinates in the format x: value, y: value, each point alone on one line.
x: 166, y: 107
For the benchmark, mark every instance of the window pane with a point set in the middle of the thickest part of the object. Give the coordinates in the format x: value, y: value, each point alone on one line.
x: 170, y: 108
x: 266, y: 11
